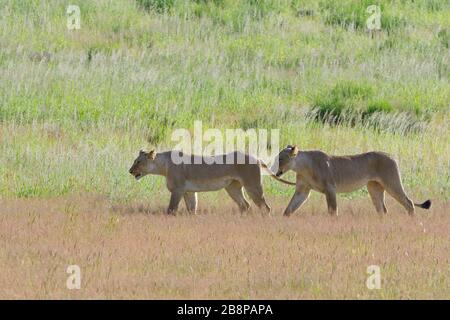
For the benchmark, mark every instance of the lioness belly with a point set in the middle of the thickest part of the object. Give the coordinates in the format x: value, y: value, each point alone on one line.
x: 206, y: 185
x: 352, y: 185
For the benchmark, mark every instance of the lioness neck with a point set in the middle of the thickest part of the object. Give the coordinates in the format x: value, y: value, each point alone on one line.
x: 299, y: 161
x: 161, y: 161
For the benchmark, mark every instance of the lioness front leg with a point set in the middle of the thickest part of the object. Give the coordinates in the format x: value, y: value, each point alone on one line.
x: 330, y: 194
x: 190, y: 198
x: 300, y: 196
x: 175, y: 199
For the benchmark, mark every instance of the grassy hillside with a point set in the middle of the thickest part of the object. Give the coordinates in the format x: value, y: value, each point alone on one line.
x: 77, y: 105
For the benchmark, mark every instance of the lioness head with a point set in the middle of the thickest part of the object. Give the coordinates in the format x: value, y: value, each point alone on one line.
x: 144, y: 164
x: 285, y: 158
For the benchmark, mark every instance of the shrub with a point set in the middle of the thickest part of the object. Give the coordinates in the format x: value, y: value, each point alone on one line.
x: 379, y: 115
x: 159, y: 124
x: 351, y: 90
x: 352, y: 14
x: 160, y: 6
x: 444, y: 38
x: 339, y: 104
x: 378, y: 106
x: 395, y: 122
x: 328, y: 109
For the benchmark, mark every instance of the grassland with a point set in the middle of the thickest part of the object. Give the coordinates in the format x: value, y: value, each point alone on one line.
x: 77, y: 105
x: 133, y: 251
x: 132, y: 74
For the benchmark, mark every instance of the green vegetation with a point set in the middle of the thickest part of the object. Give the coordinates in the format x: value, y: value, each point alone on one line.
x: 76, y: 105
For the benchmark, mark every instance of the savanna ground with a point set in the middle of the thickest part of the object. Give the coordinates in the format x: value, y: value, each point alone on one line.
x: 132, y: 251
x: 77, y: 105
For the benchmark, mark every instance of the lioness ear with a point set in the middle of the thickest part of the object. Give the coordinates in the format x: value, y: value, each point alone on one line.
x: 151, y: 155
x: 294, y: 151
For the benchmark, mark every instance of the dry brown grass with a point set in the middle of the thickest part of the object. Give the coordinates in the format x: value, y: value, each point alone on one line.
x: 129, y: 251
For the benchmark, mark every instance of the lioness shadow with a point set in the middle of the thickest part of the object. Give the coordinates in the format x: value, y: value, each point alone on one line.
x: 141, y: 208
x: 147, y: 209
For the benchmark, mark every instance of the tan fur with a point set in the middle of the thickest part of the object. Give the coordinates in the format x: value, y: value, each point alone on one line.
x: 335, y: 174
x: 185, y: 180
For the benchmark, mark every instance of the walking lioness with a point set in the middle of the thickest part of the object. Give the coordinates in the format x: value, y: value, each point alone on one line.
x: 199, y: 173
x: 334, y: 174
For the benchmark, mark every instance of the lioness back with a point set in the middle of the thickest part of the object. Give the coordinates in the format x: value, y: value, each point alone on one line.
x: 235, y: 164
x: 354, y: 171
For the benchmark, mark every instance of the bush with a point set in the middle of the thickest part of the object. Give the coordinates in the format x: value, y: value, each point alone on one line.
x: 159, y: 125
x: 344, y: 105
x: 378, y: 106
x: 444, y: 38
x: 395, y: 122
x: 328, y: 109
x: 352, y: 14
x: 160, y: 6
x: 340, y: 103
x: 351, y: 90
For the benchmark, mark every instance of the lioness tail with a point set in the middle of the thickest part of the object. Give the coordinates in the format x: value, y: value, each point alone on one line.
x: 273, y: 175
x: 425, y: 205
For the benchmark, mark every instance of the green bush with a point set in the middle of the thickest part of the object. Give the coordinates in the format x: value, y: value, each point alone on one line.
x: 352, y: 14
x: 444, y: 38
x: 351, y: 90
x: 341, y: 103
x: 159, y: 125
x: 160, y: 6
x: 378, y: 106
x: 328, y: 109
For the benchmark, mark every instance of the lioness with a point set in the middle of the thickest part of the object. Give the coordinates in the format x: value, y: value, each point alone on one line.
x: 334, y: 174
x: 186, y: 179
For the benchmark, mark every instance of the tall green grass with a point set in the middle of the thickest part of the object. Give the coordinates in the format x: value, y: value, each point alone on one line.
x: 76, y: 105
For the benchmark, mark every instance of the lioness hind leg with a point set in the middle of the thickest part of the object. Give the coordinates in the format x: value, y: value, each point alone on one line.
x: 395, y: 188
x: 235, y: 191
x: 330, y: 194
x: 400, y: 196
x: 257, y: 195
x: 190, y: 198
x: 376, y: 192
